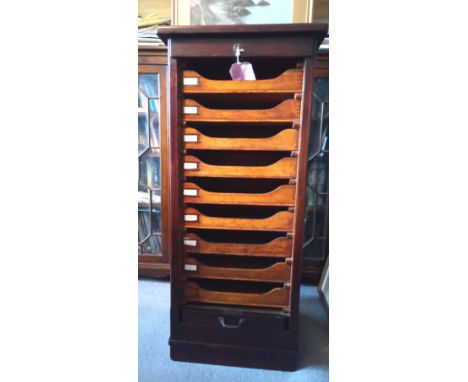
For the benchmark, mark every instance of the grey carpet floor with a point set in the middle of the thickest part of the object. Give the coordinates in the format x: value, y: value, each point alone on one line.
x: 155, y: 365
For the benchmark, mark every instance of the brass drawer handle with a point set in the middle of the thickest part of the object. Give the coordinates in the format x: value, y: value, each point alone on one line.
x: 228, y: 326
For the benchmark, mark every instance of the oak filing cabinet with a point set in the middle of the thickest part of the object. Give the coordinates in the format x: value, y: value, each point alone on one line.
x: 237, y: 157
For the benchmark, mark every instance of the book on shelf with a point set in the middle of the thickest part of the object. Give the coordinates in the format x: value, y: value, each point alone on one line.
x: 151, y: 244
x: 142, y: 227
x: 147, y: 29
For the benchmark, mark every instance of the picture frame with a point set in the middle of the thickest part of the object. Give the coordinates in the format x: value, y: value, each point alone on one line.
x: 210, y: 12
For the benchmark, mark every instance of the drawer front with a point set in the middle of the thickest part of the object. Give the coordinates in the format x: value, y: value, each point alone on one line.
x: 280, y: 221
x: 285, y: 140
x: 278, y: 272
x: 286, y: 111
x: 281, y: 196
x: 290, y: 81
x: 234, y: 320
x: 284, y: 168
x: 279, y: 247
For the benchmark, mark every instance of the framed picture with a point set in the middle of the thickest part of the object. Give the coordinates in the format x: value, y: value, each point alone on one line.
x: 212, y: 12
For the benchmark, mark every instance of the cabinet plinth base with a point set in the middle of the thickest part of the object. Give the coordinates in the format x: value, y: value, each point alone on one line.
x: 274, y: 359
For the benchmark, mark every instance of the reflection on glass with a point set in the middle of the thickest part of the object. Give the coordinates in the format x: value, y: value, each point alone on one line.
x: 150, y: 171
x: 148, y: 112
x: 320, y: 100
x: 142, y: 133
x: 154, y: 129
x: 149, y: 86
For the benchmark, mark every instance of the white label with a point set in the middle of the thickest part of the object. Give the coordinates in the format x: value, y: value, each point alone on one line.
x: 191, y: 138
x: 190, y: 165
x: 191, y: 218
x: 191, y: 81
x: 190, y: 267
x: 190, y: 109
x: 190, y: 192
x: 190, y: 242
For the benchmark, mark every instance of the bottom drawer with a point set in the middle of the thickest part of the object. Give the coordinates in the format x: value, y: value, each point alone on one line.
x: 234, y: 319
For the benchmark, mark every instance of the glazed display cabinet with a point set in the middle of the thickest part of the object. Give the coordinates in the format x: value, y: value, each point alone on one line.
x: 315, y: 251
x: 153, y: 259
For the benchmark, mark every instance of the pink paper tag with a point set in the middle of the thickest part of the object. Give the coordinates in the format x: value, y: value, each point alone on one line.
x: 242, y: 71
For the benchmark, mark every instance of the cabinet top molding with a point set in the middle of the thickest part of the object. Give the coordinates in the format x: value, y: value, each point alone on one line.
x: 242, y: 30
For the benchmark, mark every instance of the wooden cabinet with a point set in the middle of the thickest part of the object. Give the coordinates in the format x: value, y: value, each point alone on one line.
x: 237, y: 171
x: 153, y: 259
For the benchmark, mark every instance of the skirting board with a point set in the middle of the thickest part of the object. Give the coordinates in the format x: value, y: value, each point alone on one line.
x: 233, y: 355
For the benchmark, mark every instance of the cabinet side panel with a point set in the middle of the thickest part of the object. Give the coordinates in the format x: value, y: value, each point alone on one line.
x: 175, y: 202
x: 306, y: 112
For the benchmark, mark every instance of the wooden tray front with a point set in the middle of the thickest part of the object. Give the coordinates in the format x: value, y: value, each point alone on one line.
x: 278, y: 272
x: 275, y: 298
x: 281, y: 196
x: 279, y: 247
x: 281, y: 221
x: 285, y: 168
x: 286, y: 111
x: 290, y: 81
x: 285, y: 140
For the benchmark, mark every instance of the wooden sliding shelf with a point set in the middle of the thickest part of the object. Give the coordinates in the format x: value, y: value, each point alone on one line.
x: 290, y: 81
x: 276, y: 297
x: 280, y: 221
x: 287, y: 111
x: 279, y: 247
x: 238, y: 166
x: 286, y: 140
x: 280, y: 196
x: 278, y: 272
x: 284, y: 168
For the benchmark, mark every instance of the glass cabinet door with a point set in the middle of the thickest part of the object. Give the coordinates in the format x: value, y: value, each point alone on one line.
x: 315, y: 250
x: 149, y: 162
